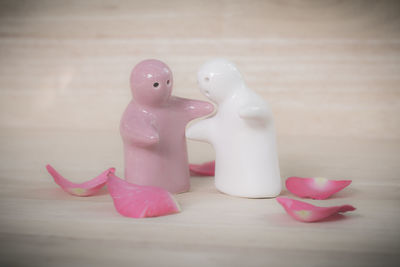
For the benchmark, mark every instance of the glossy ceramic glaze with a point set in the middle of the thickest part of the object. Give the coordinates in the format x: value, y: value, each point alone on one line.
x: 153, y: 129
x: 242, y: 133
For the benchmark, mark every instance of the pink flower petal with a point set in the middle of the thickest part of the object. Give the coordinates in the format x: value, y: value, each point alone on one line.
x: 205, y: 169
x: 316, y: 188
x: 85, y: 189
x: 138, y: 201
x: 305, y: 212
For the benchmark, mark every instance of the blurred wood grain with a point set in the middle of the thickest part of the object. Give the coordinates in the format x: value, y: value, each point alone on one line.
x: 329, y: 69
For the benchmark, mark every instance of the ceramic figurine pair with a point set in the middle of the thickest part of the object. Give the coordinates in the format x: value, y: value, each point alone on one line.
x: 241, y: 131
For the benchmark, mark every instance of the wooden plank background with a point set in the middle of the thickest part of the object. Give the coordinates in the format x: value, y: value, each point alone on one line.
x: 329, y: 69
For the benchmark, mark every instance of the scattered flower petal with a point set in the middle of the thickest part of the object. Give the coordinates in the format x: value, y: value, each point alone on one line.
x: 138, y: 201
x: 305, y: 212
x: 85, y: 189
x: 205, y: 169
x: 316, y: 188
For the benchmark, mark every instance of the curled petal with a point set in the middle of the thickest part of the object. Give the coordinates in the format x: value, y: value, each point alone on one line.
x: 138, y: 201
x: 305, y: 212
x: 316, y: 188
x: 205, y: 169
x: 85, y: 189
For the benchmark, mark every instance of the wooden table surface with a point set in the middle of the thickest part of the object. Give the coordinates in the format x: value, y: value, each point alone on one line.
x: 329, y: 69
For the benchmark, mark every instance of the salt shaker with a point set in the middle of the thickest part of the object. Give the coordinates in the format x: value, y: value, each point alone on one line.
x: 153, y: 129
x: 242, y: 132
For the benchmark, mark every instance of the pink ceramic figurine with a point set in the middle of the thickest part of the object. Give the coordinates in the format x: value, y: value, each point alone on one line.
x: 153, y: 129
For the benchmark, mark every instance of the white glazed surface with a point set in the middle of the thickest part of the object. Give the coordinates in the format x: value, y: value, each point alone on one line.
x: 242, y: 133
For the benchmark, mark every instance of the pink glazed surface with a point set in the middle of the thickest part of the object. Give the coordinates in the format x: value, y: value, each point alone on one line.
x: 153, y: 129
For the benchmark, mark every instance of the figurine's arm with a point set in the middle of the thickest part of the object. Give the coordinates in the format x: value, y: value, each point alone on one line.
x: 254, y: 112
x: 195, y: 108
x: 201, y: 130
x: 141, y: 137
x: 138, y: 130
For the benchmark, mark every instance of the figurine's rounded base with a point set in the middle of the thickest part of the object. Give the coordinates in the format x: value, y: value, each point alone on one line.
x: 181, y: 192
x: 168, y: 187
x: 249, y: 195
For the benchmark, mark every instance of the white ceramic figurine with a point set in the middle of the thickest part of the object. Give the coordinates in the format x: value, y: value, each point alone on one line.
x: 242, y: 133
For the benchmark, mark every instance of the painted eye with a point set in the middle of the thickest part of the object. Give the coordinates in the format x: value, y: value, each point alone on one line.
x: 156, y: 84
x: 167, y: 82
x: 207, y: 79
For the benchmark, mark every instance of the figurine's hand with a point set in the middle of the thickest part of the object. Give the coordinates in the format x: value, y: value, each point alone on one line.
x: 200, y: 131
x: 191, y: 132
x: 254, y: 112
x: 147, y: 140
x: 196, y: 108
x: 150, y: 139
x: 143, y: 137
x: 202, y: 108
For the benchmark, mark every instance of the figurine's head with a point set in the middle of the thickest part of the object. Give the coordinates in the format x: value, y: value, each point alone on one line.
x: 218, y: 79
x: 151, y: 82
